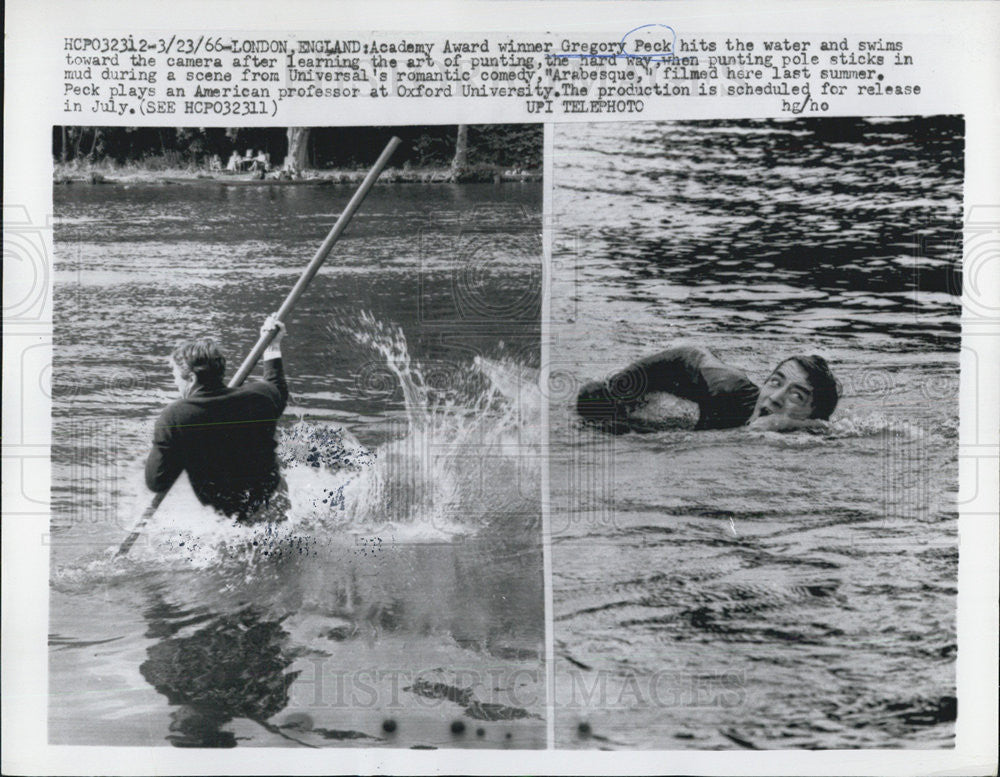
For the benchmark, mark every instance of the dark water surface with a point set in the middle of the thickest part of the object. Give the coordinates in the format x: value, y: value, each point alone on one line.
x: 405, y: 592
x: 749, y: 589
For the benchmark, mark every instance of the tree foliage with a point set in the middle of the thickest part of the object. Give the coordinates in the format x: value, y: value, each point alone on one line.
x: 501, y: 145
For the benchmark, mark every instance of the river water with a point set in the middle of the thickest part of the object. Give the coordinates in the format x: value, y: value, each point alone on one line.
x: 730, y: 589
x: 402, y: 602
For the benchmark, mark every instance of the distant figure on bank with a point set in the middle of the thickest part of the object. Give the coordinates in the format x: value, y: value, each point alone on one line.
x: 800, y: 393
x: 233, y: 166
x: 223, y: 437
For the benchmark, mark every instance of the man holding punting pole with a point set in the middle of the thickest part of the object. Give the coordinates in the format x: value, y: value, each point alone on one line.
x: 223, y: 437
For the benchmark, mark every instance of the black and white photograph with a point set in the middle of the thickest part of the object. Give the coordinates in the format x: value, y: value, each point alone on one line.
x: 296, y: 493
x: 754, y: 425
x: 501, y: 388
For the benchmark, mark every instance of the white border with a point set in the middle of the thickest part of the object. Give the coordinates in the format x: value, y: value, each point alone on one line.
x: 543, y: 379
x: 966, y: 35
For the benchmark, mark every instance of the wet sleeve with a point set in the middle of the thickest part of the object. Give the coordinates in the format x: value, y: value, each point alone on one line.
x: 609, y: 402
x: 731, y: 400
x: 274, y: 375
x: 165, y: 462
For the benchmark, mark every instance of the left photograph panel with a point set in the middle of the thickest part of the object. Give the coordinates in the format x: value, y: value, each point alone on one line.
x: 296, y: 489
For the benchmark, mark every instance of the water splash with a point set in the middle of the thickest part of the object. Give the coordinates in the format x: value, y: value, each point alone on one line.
x: 463, y: 458
x: 876, y: 425
x: 466, y: 455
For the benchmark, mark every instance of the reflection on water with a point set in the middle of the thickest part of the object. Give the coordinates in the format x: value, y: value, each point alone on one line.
x: 231, y: 667
x: 404, y: 594
x: 818, y: 228
x: 300, y: 651
x: 739, y: 588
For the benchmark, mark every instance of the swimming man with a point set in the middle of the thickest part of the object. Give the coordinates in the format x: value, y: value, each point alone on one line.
x: 223, y: 437
x: 800, y: 393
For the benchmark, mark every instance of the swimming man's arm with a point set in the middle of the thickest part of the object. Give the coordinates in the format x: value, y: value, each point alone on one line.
x: 674, y: 370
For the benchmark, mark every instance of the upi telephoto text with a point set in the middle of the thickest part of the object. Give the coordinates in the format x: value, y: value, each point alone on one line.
x: 215, y: 76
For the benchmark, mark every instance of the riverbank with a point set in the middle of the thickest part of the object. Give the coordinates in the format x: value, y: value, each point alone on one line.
x: 104, y: 173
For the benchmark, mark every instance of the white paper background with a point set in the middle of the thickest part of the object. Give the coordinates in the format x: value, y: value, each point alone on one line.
x: 956, y: 47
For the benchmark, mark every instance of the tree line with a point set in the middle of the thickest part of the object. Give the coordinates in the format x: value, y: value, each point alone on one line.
x: 303, y: 148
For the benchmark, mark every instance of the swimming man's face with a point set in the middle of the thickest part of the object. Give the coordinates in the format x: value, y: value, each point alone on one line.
x: 786, y: 394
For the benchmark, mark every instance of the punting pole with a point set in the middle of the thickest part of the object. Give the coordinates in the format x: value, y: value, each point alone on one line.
x: 286, y: 307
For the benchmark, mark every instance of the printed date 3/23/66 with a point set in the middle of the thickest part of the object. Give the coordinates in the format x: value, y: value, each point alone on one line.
x: 172, y: 45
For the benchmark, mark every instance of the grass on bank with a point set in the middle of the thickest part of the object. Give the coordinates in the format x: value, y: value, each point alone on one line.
x: 163, y: 169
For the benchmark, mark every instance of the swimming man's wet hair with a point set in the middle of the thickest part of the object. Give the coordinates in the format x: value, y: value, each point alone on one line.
x: 201, y: 358
x: 824, y: 385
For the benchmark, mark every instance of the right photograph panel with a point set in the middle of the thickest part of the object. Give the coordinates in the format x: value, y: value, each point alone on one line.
x: 755, y: 334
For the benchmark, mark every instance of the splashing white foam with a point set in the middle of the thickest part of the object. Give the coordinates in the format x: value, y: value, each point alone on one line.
x: 468, y: 453
x: 465, y: 456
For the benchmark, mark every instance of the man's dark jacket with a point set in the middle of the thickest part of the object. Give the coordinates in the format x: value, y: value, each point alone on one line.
x: 726, y: 397
x: 224, y: 438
